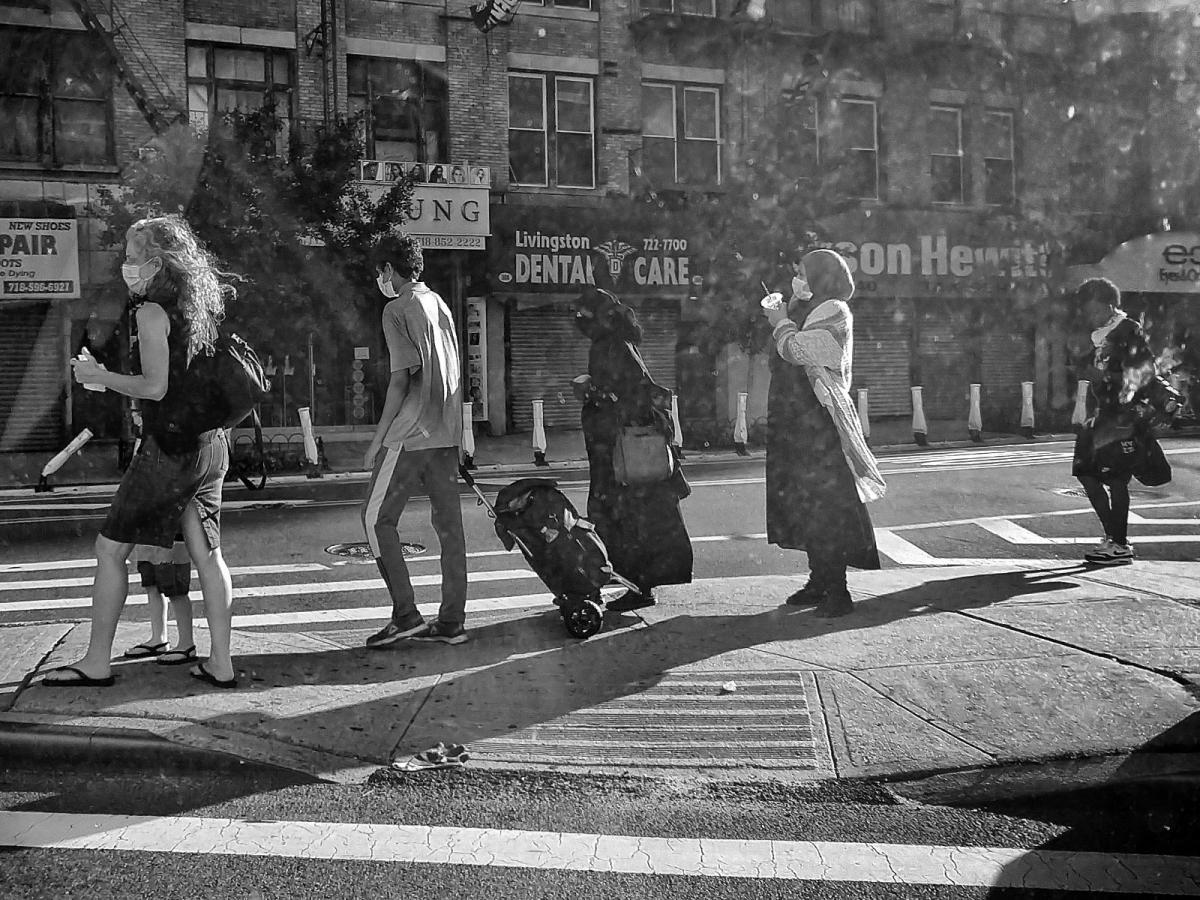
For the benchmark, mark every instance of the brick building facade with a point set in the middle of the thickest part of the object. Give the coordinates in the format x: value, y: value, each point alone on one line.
x: 959, y: 119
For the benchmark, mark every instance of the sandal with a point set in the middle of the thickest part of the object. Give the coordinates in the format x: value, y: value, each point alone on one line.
x: 178, y: 657
x: 83, y: 679
x: 142, y: 651
x: 202, y: 674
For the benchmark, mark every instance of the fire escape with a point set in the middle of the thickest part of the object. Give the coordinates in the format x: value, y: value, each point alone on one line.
x: 135, y: 66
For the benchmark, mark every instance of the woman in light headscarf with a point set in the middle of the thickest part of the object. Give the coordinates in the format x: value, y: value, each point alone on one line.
x: 819, y: 470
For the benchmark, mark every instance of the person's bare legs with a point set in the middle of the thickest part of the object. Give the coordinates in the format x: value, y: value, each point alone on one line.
x: 157, y: 614
x: 109, y: 591
x: 217, y: 588
x: 181, y: 612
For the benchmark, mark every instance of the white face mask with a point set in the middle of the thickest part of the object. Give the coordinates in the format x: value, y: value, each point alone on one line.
x: 134, y: 279
x: 385, y: 287
x: 800, y: 289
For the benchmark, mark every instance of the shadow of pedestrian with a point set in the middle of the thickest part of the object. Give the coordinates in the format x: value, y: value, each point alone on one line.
x: 1145, y: 803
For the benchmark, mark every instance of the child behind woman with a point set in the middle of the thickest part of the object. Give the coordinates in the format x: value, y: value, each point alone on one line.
x: 166, y: 576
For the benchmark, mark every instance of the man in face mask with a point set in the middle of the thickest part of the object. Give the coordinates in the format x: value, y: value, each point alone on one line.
x: 416, y: 445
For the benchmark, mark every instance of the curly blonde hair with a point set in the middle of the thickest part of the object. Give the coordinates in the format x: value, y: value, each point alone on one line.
x: 201, y: 295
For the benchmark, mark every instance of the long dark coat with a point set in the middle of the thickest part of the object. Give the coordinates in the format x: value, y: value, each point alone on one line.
x: 641, y: 526
x: 812, y: 502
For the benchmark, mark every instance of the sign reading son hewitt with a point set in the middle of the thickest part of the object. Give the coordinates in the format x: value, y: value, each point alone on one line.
x: 912, y: 258
x: 554, y: 260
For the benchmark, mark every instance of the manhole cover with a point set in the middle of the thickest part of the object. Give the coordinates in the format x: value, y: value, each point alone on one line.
x: 360, y: 552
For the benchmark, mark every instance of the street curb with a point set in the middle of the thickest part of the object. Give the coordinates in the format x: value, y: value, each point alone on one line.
x: 34, y: 745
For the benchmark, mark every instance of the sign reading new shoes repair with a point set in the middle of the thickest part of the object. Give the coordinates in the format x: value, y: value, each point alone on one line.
x: 39, y: 259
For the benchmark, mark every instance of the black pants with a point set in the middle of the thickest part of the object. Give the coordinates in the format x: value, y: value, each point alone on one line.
x: 1113, y: 511
x: 828, y: 570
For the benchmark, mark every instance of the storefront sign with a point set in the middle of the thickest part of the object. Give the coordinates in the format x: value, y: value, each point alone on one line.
x: 893, y: 255
x: 477, y: 358
x: 39, y: 258
x: 536, y: 256
x: 444, y: 217
x: 1167, y: 263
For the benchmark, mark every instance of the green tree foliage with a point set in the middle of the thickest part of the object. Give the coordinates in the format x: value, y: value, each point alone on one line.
x: 293, y: 229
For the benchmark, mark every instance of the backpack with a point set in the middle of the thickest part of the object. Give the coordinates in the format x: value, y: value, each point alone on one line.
x: 225, y: 384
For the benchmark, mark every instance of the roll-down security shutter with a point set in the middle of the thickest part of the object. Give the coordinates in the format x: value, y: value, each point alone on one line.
x: 546, y: 351
x: 882, y: 347
x: 31, y: 378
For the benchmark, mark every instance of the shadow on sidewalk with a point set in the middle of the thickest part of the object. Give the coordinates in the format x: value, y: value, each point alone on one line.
x: 1139, y: 809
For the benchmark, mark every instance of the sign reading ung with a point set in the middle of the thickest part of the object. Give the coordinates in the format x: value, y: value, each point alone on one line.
x: 39, y: 259
x: 444, y: 217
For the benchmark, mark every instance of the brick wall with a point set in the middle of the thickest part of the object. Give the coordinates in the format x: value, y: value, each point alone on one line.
x: 275, y: 14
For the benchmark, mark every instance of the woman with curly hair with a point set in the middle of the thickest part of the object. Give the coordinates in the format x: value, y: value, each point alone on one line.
x: 175, y: 477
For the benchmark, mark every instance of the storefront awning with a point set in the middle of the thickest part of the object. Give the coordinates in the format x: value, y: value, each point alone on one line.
x: 1167, y: 263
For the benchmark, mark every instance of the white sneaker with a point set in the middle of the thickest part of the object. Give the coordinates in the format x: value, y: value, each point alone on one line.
x: 1115, y: 555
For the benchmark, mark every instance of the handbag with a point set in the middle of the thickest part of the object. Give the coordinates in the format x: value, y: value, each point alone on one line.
x: 1152, y: 469
x: 641, y: 456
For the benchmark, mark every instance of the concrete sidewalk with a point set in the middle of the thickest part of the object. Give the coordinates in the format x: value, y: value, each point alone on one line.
x: 937, y: 670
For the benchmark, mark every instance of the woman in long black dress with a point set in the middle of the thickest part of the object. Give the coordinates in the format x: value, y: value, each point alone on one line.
x: 819, y: 470
x: 642, y: 525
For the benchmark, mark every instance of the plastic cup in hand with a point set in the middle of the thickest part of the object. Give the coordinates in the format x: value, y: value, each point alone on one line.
x: 774, y: 300
x: 91, y: 385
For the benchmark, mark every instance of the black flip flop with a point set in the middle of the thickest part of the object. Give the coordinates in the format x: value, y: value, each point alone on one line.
x: 180, y: 657
x: 210, y: 679
x: 145, y: 651
x: 84, y: 680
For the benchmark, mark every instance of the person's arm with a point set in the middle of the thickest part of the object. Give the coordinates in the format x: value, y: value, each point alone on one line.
x: 405, y: 361
x: 153, y: 326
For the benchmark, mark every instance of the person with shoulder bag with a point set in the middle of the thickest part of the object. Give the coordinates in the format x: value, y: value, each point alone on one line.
x: 636, y: 481
x: 174, y: 480
x: 1118, y: 442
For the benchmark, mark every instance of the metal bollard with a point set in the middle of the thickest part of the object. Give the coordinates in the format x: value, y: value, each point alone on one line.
x: 1027, y: 409
x: 678, y: 439
x: 468, y: 436
x: 741, y: 432
x: 56, y: 462
x: 920, y: 429
x: 539, y: 436
x: 863, y: 417
x: 1079, y: 415
x: 975, y: 415
x: 310, y: 442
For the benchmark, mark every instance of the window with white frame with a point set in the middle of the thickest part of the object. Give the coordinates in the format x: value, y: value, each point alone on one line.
x: 562, y: 4
x: 999, y: 171
x: 223, y: 79
x: 946, y: 154
x: 551, y: 130
x: 681, y: 7
x: 860, y: 142
x: 681, y: 134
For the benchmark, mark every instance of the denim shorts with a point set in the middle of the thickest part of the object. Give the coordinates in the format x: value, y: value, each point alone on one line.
x: 158, y: 486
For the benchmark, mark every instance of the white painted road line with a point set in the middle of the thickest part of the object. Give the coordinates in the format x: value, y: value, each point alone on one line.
x: 278, y: 590
x: 1018, y: 534
x: 380, y: 613
x: 900, y: 551
x: 235, y: 571
x: 980, y: 867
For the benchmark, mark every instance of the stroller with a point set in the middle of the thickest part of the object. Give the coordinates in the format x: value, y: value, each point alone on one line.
x: 559, y: 545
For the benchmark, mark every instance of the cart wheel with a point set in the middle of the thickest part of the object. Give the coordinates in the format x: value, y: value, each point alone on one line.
x: 583, y: 619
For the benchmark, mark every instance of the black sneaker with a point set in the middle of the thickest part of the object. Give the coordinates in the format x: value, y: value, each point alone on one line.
x: 631, y: 600
x: 441, y: 632
x: 391, y: 632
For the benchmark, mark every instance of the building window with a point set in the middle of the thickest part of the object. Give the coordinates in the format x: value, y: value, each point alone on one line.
x: 562, y: 4
x: 945, y: 154
x: 551, y: 131
x: 404, y: 107
x: 55, y: 98
x: 999, y: 173
x: 860, y: 138
x: 681, y: 7
x: 681, y: 134
x: 246, y: 79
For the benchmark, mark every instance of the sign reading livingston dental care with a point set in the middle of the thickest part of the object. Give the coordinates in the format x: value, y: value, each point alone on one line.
x: 39, y: 259
x: 556, y: 252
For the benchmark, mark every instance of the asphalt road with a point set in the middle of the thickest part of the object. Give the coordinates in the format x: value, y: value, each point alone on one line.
x: 1114, y: 822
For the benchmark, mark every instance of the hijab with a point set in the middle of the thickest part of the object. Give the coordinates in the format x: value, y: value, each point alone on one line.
x: 828, y: 275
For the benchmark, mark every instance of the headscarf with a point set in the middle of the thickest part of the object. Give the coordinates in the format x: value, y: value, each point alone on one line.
x: 600, y: 313
x: 828, y: 275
